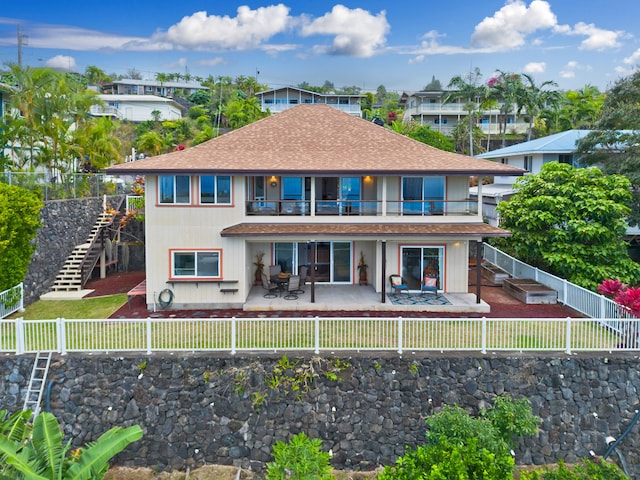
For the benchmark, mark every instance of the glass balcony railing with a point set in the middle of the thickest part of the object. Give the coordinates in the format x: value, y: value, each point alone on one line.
x: 372, y: 208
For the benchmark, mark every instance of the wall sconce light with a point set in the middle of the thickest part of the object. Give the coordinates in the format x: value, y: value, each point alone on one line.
x: 274, y: 181
x: 368, y: 179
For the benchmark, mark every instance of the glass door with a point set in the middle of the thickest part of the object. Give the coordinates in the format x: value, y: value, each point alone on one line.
x: 420, y: 262
x: 332, y: 259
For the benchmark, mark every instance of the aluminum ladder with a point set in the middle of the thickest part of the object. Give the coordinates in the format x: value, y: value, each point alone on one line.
x: 37, y: 382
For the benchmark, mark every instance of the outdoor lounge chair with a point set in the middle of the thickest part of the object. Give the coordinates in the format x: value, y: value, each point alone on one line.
x: 272, y: 288
x: 274, y: 271
x: 430, y: 284
x: 302, y: 272
x: 397, y: 284
x: 292, y: 288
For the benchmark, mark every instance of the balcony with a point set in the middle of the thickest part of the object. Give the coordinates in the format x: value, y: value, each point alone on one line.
x: 362, y: 208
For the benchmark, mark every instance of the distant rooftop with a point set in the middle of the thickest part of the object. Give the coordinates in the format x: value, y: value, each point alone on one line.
x: 563, y: 142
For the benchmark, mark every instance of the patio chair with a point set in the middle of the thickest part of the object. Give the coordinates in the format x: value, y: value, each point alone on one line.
x: 272, y: 288
x: 302, y: 273
x: 430, y: 284
x: 397, y: 284
x: 274, y: 271
x: 293, y: 287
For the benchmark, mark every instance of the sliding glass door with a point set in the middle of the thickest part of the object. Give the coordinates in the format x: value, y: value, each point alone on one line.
x: 332, y: 259
x: 422, y: 261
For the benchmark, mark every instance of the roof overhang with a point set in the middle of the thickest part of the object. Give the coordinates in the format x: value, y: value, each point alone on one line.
x: 377, y: 230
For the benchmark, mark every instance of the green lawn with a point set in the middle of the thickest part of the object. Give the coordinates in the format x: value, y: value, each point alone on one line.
x: 96, y: 307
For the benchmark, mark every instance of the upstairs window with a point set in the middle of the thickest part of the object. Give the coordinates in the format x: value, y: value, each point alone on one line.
x: 215, y: 189
x: 174, y: 189
x: 423, y: 195
x: 528, y: 162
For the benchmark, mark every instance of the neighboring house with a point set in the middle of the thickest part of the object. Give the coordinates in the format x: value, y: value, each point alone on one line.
x: 280, y: 99
x: 138, y: 108
x: 428, y: 108
x: 529, y: 156
x: 130, y: 86
x: 309, y: 186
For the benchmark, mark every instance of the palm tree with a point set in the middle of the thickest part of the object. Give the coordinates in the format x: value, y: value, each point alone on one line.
x: 44, y: 456
x: 469, y: 89
x: 505, y: 88
x: 534, y: 98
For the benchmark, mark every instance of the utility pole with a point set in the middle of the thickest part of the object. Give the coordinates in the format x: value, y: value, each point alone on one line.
x: 22, y: 40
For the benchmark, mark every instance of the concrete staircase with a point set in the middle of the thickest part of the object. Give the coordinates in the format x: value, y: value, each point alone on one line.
x: 84, y: 257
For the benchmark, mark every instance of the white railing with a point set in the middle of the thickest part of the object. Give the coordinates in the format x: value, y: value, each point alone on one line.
x: 578, y: 298
x: 12, y: 300
x: 135, y: 203
x: 319, y: 334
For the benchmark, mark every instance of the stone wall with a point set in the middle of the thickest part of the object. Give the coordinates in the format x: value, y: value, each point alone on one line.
x: 221, y: 409
x: 65, y: 224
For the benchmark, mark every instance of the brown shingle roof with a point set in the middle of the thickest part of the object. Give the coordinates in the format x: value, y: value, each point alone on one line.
x: 382, y: 230
x: 314, y: 139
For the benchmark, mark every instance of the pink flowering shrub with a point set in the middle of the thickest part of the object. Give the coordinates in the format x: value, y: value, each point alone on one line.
x: 623, y: 295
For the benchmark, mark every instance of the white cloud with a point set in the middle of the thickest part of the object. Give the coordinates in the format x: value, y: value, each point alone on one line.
x: 535, y: 67
x: 597, y: 38
x: 245, y: 31
x: 567, y: 74
x: 509, y: 26
x: 212, y: 62
x: 62, y: 62
x: 357, y: 32
x: 632, y: 59
x: 74, y: 38
x: 416, y: 59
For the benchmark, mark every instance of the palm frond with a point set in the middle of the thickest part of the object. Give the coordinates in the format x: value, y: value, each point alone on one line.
x: 96, y: 457
x: 47, y: 443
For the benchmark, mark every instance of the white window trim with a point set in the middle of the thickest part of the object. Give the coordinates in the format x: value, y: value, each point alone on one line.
x: 215, y: 185
x: 160, y: 202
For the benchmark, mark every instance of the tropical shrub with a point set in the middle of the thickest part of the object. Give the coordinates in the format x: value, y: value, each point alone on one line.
x: 300, y: 459
x: 587, y: 470
x: 460, y: 446
x: 20, y: 211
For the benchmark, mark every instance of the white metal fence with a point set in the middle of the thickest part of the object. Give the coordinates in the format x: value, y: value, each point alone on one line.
x: 578, y: 298
x: 316, y: 334
x: 11, y: 300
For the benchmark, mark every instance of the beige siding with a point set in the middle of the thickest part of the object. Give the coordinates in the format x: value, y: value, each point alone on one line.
x: 195, y: 227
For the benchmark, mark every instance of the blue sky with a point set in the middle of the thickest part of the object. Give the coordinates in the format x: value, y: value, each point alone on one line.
x: 400, y: 44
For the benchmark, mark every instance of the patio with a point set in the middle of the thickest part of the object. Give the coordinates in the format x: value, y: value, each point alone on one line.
x: 364, y: 298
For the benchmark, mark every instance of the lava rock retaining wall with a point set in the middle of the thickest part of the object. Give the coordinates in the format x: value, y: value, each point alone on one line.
x: 65, y: 224
x: 223, y: 409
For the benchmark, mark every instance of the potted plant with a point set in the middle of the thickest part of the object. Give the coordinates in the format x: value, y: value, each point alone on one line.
x: 259, y: 267
x: 362, y: 269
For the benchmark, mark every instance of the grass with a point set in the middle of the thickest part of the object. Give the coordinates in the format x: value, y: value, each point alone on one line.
x: 283, y: 333
x: 96, y: 307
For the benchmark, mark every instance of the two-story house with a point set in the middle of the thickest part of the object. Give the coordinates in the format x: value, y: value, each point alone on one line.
x: 429, y: 108
x: 138, y: 108
x: 280, y: 99
x: 132, y: 86
x: 309, y: 186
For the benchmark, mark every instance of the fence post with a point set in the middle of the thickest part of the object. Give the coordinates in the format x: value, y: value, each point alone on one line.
x: 484, y: 335
x: 233, y: 335
x: 62, y: 336
x: 602, y: 306
x: 19, y: 336
x: 317, y: 334
x: 400, y: 335
x: 148, y: 328
x: 22, y: 296
x: 568, y: 336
